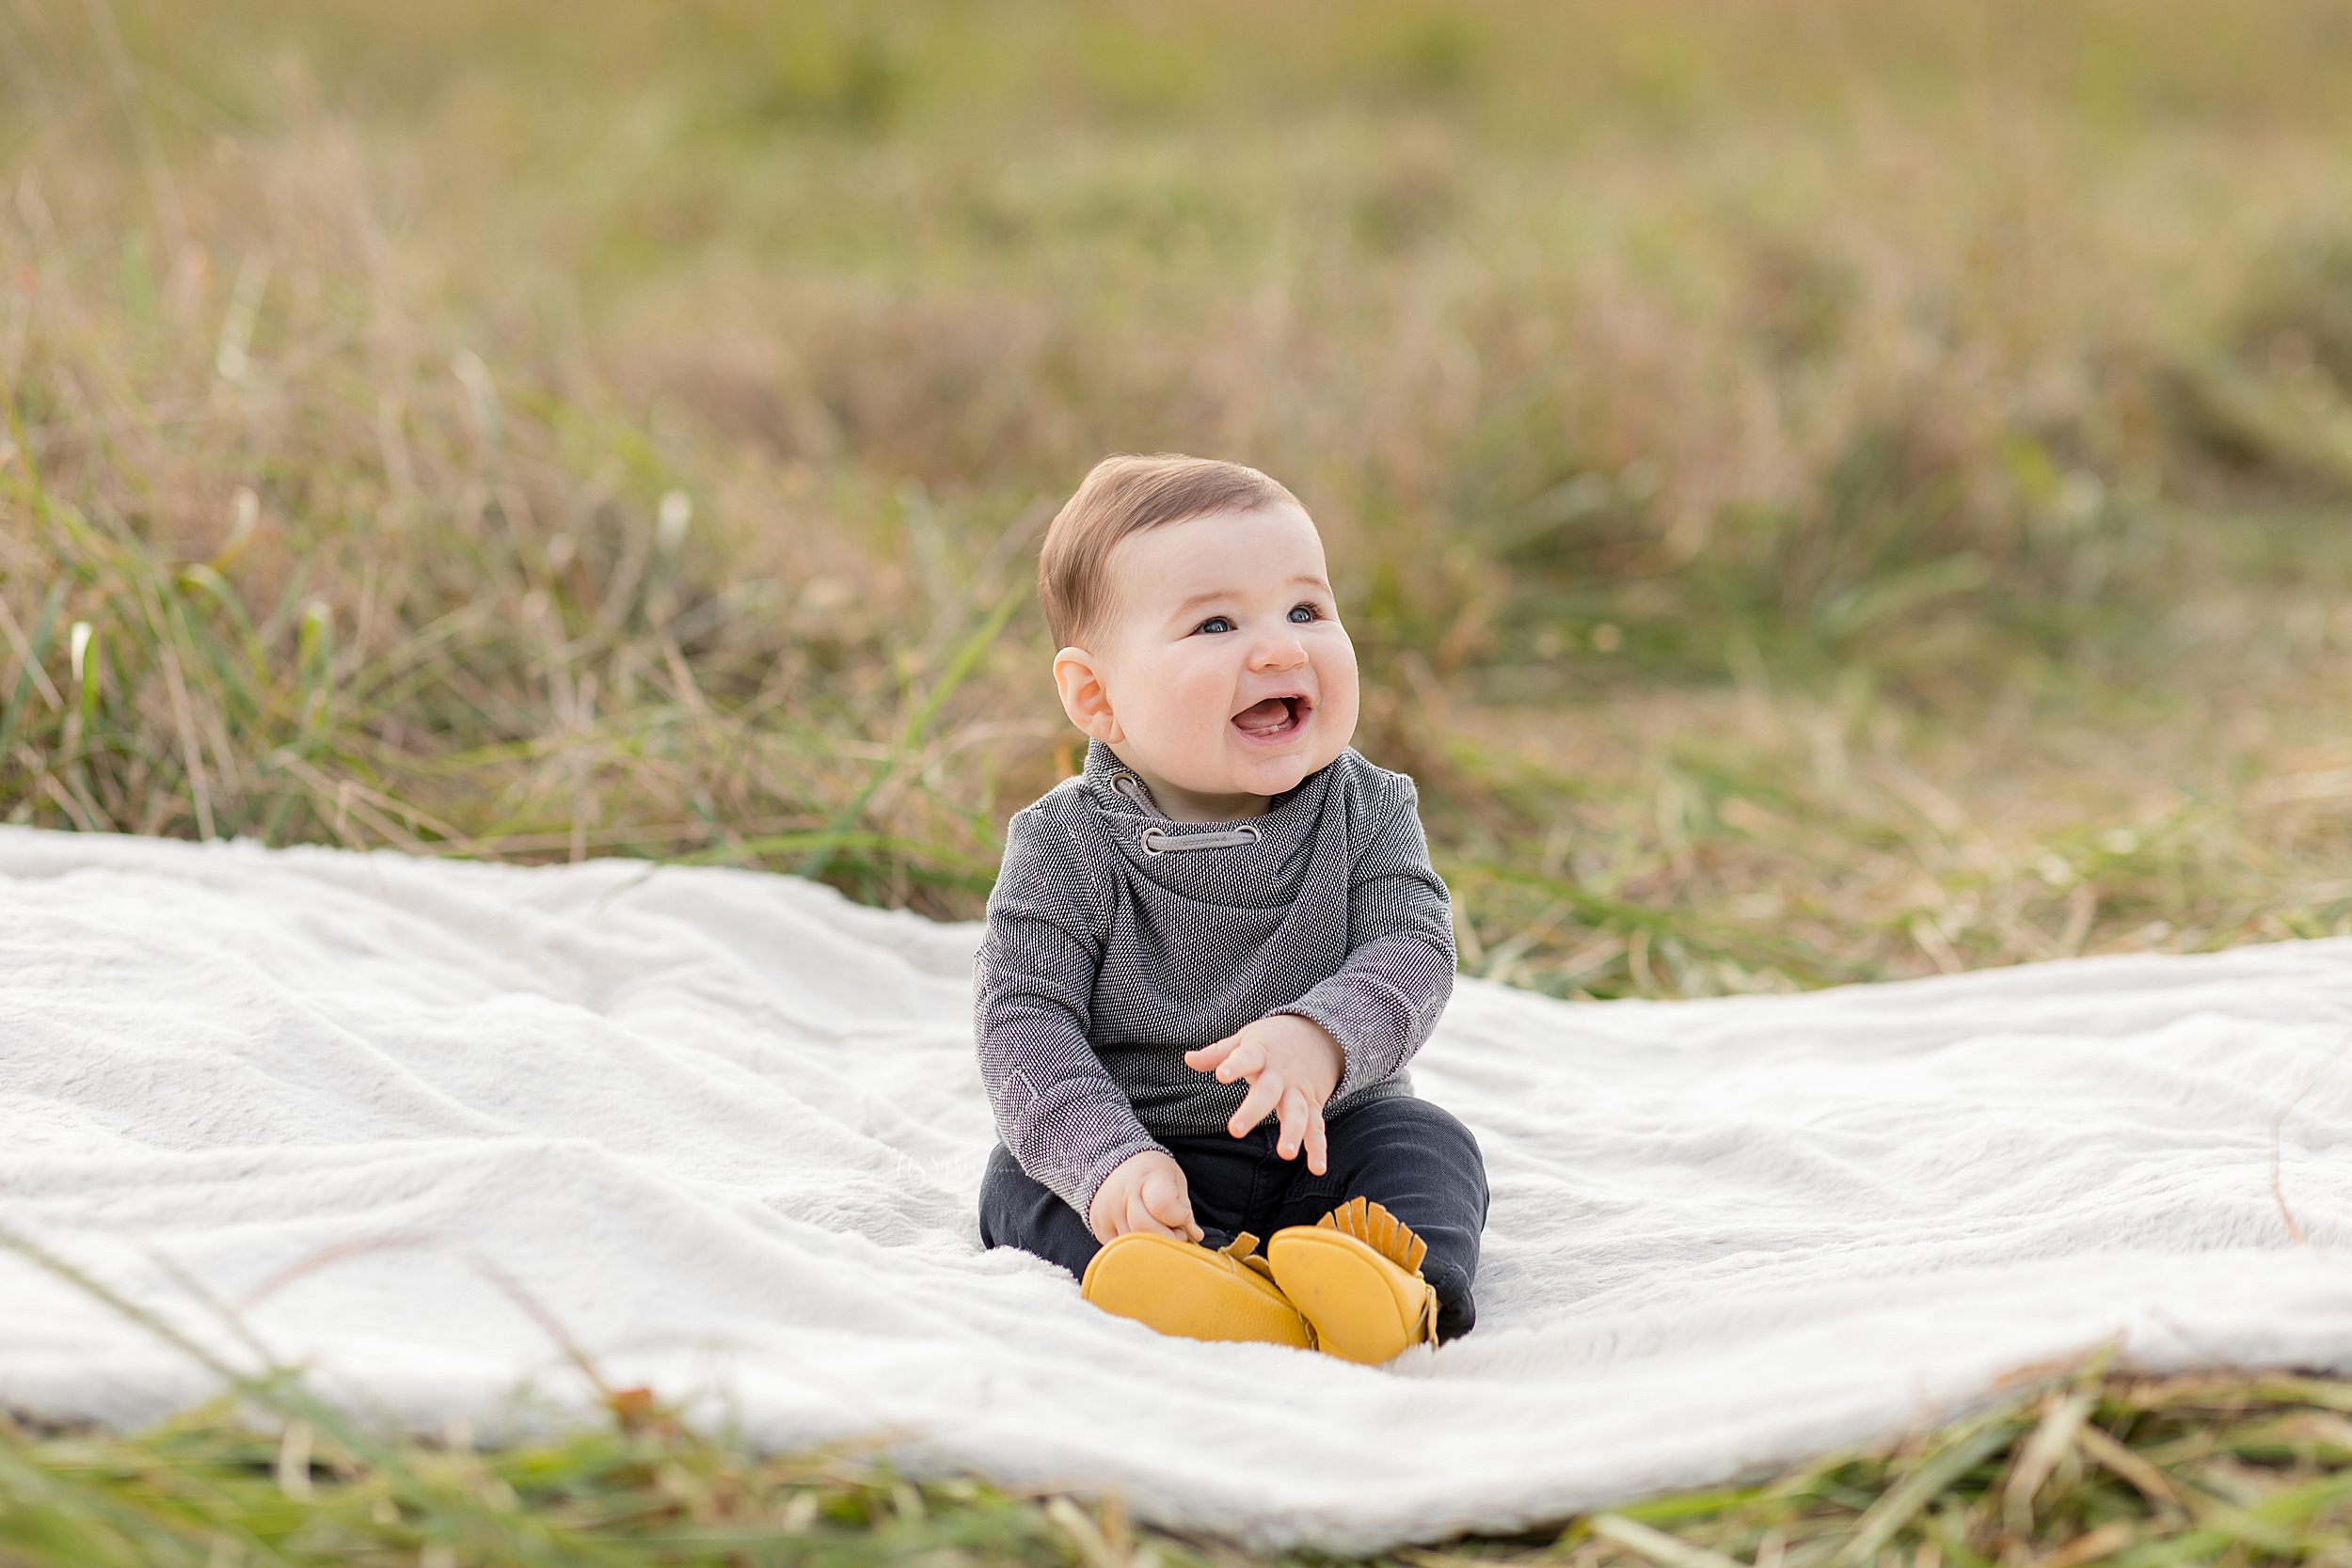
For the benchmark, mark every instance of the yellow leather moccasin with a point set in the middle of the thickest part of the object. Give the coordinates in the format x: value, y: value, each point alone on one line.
x: 1194, y: 1291
x: 1355, y: 1275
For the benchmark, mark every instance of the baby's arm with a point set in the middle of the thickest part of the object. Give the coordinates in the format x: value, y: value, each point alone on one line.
x: 1060, y: 1114
x: 1399, y: 975
x: 1365, y: 1021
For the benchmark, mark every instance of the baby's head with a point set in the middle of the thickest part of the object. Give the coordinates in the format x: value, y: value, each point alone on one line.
x: 1198, y: 638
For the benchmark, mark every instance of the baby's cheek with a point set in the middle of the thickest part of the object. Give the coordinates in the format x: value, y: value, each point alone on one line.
x: 1204, y: 701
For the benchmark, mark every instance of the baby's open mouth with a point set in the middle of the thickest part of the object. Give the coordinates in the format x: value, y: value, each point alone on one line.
x: 1274, y: 717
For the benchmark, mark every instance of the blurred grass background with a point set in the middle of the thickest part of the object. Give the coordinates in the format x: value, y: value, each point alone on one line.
x: 1823, y: 491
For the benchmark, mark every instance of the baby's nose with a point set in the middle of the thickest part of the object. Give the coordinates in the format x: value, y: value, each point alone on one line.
x: 1277, y: 651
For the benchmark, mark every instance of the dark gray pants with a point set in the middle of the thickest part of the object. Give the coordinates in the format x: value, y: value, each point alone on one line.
x: 1405, y: 1154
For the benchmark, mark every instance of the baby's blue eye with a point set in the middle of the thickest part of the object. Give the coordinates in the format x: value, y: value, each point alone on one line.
x: 1302, y: 613
x: 1214, y: 623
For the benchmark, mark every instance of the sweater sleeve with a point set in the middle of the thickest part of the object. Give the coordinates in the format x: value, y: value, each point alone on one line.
x: 1399, y: 975
x: 1057, y: 1108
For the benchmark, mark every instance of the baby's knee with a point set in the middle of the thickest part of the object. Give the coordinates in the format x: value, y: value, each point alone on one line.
x: 1429, y: 1132
x: 1018, y: 1210
x: 1006, y: 1195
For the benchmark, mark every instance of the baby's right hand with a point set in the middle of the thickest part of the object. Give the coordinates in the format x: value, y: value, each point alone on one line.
x: 1145, y: 1192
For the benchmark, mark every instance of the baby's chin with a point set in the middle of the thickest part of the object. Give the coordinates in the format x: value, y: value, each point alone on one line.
x: 1280, y: 771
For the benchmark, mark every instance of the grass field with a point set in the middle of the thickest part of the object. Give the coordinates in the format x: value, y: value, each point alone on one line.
x: 1823, y: 491
x: 2141, y: 1473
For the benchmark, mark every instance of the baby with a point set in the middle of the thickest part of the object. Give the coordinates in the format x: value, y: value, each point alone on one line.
x: 1210, y: 956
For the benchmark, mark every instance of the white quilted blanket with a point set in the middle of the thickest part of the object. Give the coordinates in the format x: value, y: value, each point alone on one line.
x: 725, y: 1131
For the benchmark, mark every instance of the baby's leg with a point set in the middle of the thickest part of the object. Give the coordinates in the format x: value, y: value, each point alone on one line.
x: 1422, y: 1166
x: 1017, y: 1211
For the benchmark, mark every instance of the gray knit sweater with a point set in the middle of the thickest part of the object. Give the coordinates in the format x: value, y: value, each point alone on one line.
x: 1113, y: 947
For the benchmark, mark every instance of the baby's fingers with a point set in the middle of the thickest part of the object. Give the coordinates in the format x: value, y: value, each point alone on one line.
x: 1302, y: 1128
x: 1172, y: 1207
x: 1246, y: 1060
x: 1296, y: 1116
x: 1140, y: 1217
x: 1209, y: 1058
x: 1264, y: 1094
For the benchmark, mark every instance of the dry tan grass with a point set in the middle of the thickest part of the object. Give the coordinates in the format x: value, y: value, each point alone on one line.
x: 1695, y: 843
x: 1776, y: 396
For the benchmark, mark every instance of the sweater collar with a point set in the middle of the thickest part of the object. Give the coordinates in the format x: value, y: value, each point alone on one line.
x: 1255, y: 862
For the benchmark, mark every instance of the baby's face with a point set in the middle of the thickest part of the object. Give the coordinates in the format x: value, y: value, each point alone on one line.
x: 1225, y: 676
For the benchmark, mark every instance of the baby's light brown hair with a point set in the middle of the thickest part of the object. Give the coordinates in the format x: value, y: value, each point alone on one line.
x: 1128, y: 495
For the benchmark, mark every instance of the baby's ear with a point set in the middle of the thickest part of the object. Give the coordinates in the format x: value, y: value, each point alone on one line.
x: 1084, y: 696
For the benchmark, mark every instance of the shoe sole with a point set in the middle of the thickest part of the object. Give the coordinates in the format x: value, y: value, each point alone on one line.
x: 1189, y: 1291
x: 1355, y: 1298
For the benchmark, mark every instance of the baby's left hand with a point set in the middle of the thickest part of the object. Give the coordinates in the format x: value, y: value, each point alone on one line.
x: 1293, y: 1065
